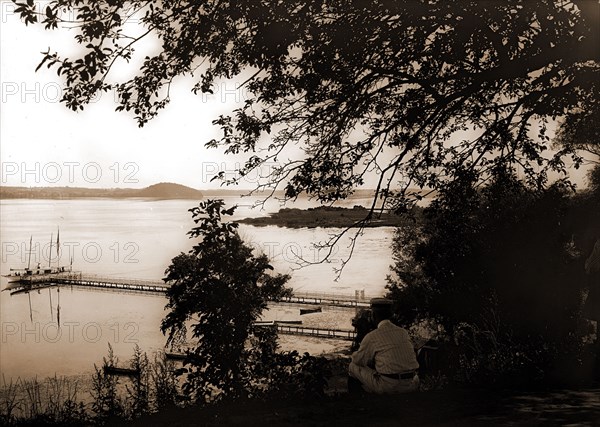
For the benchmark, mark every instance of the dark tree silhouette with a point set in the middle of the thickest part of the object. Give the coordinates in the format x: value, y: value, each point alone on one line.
x: 218, y: 290
x: 580, y: 131
x: 409, y: 89
x: 501, y: 270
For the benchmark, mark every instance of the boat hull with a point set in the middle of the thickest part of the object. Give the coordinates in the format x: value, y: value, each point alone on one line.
x: 26, y: 276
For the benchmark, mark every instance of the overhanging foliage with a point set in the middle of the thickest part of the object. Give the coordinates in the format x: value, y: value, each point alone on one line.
x: 407, y: 89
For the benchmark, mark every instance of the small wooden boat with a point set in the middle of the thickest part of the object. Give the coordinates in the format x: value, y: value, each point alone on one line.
x: 175, y: 356
x: 310, y: 310
x: 114, y: 370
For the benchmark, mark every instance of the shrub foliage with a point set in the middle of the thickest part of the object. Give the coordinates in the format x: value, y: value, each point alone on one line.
x: 218, y: 290
x: 500, y: 271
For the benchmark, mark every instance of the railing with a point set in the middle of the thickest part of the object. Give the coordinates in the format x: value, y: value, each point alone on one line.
x: 332, y: 299
x: 358, y: 296
x: 122, y: 280
x: 89, y: 280
x: 340, y: 334
x: 358, y: 300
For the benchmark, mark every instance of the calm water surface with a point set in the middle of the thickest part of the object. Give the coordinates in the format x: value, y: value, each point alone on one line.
x: 137, y: 239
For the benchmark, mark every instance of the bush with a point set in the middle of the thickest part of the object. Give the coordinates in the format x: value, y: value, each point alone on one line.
x: 218, y: 290
x: 495, y: 268
x: 106, y: 403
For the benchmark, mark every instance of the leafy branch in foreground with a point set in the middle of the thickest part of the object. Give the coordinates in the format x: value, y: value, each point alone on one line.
x: 408, y: 89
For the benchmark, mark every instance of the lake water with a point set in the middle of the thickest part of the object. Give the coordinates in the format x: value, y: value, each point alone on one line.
x: 137, y: 239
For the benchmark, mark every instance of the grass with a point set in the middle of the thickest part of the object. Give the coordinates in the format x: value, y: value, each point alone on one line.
x: 449, y: 407
x: 50, y: 402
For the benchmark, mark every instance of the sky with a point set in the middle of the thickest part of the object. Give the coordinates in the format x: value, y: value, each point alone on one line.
x: 42, y: 143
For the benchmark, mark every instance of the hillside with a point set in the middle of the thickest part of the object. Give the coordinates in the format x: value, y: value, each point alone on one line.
x: 163, y: 190
x: 168, y: 190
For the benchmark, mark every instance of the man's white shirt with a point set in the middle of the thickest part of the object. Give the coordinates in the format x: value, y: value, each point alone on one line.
x: 387, y: 349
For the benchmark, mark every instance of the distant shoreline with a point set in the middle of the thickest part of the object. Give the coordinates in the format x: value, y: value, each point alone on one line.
x: 162, y: 190
x: 166, y: 191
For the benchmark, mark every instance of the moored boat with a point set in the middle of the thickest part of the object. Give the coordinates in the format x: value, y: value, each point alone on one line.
x: 39, y: 273
x: 29, y: 274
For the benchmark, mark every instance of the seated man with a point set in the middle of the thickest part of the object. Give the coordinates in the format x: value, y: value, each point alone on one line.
x: 386, y: 360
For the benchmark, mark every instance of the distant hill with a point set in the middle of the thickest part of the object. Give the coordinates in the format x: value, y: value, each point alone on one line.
x: 167, y: 190
x: 164, y: 190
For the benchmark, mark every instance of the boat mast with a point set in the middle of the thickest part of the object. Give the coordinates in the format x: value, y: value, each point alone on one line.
x: 58, y: 307
x: 51, y: 309
x: 29, y: 261
x: 57, y: 246
x: 50, y: 254
x: 30, y: 310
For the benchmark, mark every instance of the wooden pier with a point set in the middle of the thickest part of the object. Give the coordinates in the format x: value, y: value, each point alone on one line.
x: 358, y: 300
x: 293, y: 328
x: 88, y: 281
x: 330, y: 299
x: 287, y: 329
x: 117, y: 283
x: 337, y: 334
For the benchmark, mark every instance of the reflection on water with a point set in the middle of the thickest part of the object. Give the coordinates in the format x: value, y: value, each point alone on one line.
x: 137, y: 239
